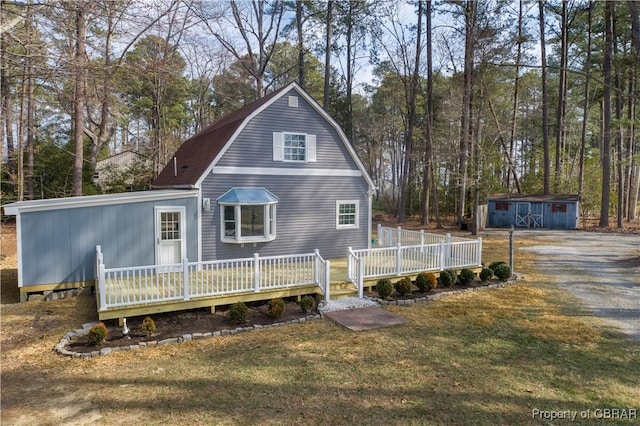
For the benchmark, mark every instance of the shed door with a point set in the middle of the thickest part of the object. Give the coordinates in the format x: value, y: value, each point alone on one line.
x: 522, y: 214
x: 170, y: 235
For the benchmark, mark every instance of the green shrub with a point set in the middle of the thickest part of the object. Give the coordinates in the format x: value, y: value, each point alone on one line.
x: 403, y: 286
x: 466, y: 276
x: 447, y: 278
x: 275, y: 308
x: 426, y: 281
x: 495, y: 264
x: 307, y: 303
x: 148, y: 326
x: 384, y: 288
x: 238, y: 313
x: 97, y: 334
x: 486, y: 274
x: 503, y: 272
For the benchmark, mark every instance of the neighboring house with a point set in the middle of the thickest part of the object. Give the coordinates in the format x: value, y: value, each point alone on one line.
x: 115, y: 170
x: 276, y: 177
x: 534, y: 211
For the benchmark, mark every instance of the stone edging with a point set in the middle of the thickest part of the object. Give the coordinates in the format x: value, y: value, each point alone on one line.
x: 60, y: 347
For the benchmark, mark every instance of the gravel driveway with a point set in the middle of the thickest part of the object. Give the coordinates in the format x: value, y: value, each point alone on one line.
x: 602, y: 270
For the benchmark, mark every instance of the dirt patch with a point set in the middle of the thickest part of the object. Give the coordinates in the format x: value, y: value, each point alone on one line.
x: 178, y: 324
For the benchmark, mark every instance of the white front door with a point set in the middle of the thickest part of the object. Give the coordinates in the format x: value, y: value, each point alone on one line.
x: 170, y: 235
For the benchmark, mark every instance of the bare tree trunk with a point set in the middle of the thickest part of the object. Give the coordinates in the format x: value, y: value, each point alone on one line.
x: 408, y: 152
x: 465, y: 136
x: 561, y: 112
x: 428, y: 151
x: 585, y: 105
x: 79, y: 99
x: 516, y: 92
x: 299, y: 6
x: 545, y: 104
x: 327, y: 57
x: 606, y: 122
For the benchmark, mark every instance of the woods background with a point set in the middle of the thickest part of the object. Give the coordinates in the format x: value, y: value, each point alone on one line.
x: 446, y: 102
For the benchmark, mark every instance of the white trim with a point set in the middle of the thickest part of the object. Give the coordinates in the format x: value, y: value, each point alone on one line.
x: 96, y: 200
x: 199, y: 225
x: 285, y: 171
x: 356, y: 225
x: 19, y: 248
x: 183, y: 229
x: 268, y: 208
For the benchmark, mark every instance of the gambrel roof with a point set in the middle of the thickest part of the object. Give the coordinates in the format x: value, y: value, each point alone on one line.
x: 195, y: 158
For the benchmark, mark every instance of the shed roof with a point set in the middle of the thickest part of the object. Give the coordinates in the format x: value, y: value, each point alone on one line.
x: 532, y: 198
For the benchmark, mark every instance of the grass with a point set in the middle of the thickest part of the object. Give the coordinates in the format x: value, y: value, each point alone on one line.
x: 480, y: 358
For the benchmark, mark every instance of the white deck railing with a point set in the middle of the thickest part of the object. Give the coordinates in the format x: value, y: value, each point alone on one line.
x: 390, y: 237
x: 121, y: 287
x: 448, y: 253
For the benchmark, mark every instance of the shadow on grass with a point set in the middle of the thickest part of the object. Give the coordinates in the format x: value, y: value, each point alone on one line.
x: 9, y: 291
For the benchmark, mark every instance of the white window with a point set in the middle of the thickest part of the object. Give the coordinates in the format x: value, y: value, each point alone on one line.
x: 347, y: 214
x: 248, y: 215
x: 294, y: 147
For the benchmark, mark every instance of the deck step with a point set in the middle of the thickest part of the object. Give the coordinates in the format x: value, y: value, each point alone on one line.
x: 344, y: 292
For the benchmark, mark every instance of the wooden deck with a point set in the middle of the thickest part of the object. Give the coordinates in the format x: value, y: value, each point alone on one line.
x: 144, y: 290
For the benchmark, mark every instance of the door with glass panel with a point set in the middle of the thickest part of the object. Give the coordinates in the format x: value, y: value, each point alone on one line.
x: 170, y: 235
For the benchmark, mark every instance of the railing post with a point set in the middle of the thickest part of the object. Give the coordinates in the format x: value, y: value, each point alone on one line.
x: 422, y: 241
x: 256, y: 272
x: 327, y: 281
x: 399, y: 238
x: 316, y: 274
x: 442, y: 248
x: 479, y: 253
x: 349, y: 267
x: 185, y: 275
x: 102, y: 287
x: 380, y: 236
x: 398, y: 259
x: 360, y: 279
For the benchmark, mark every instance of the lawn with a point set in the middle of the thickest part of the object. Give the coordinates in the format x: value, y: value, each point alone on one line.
x: 491, y: 357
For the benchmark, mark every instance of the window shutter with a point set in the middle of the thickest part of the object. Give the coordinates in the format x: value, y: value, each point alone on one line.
x: 311, y: 148
x: 277, y: 146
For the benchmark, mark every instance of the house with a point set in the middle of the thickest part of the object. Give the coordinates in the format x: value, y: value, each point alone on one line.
x: 276, y: 177
x: 116, y: 169
x: 534, y: 211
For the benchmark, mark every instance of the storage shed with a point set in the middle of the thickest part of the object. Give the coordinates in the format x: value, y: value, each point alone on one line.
x: 534, y: 211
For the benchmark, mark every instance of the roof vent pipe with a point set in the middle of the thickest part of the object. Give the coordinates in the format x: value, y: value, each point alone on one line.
x: 175, y: 167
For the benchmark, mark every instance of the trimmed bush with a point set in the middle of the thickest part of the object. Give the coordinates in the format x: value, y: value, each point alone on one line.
x: 495, y: 264
x: 486, y: 274
x: 426, y: 281
x: 503, y: 272
x: 384, y: 288
x: 403, y: 286
x: 97, y: 334
x: 307, y: 303
x: 447, y: 278
x: 275, y: 308
x: 238, y: 313
x: 466, y: 276
x: 148, y: 326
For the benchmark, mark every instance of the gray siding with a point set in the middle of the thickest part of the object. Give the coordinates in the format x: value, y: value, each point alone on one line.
x: 305, y: 216
x: 306, y: 211
x: 59, y: 245
x: 551, y: 219
x: 254, y: 145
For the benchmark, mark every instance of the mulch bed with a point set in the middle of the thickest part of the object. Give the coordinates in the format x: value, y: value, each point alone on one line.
x: 177, y: 324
